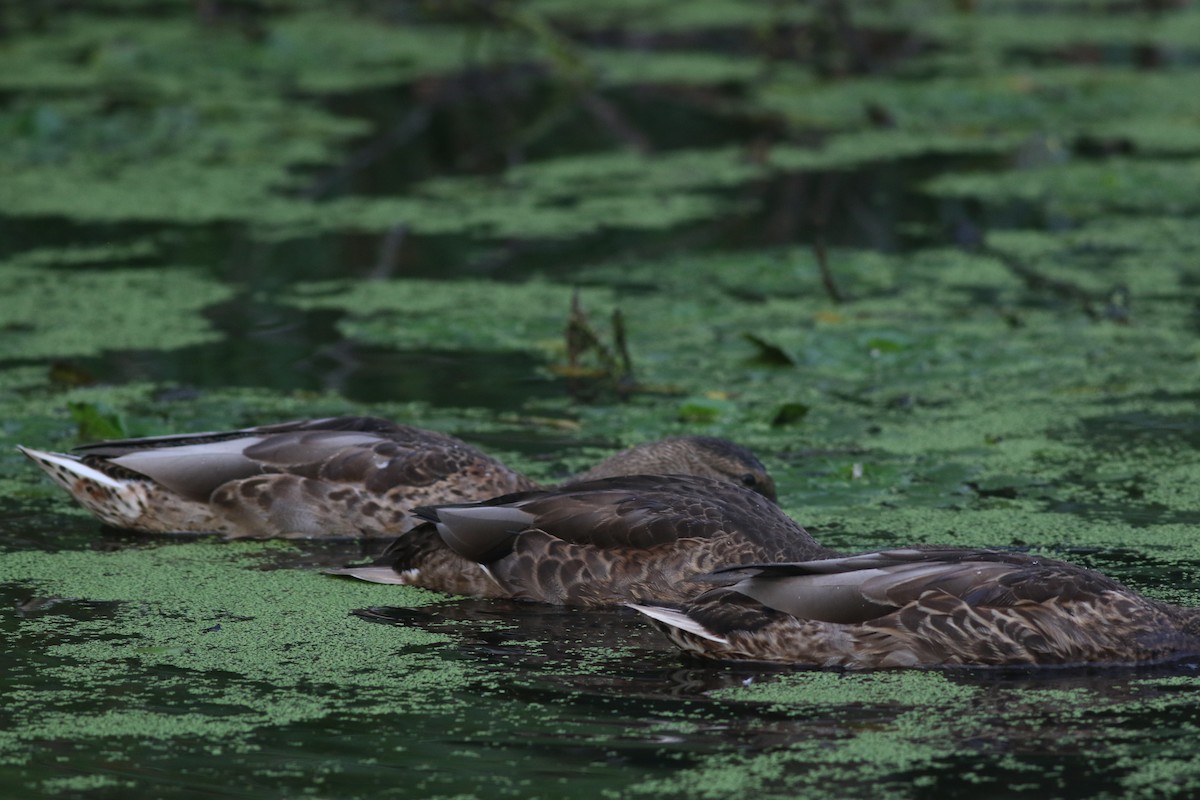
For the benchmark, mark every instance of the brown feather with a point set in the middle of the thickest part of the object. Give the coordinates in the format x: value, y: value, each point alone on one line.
x: 612, y: 540
x: 336, y: 477
x: 936, y: 607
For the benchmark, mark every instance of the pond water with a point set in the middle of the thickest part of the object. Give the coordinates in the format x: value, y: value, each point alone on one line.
x: 936, y: 263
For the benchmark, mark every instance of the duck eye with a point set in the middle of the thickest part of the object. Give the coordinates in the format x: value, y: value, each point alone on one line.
x: 749, y: 480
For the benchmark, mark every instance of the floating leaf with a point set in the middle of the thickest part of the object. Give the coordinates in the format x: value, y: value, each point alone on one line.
x: 704, y: 410
x: 65, y: 373
x: 768, y: 352
x: 790, y: 413
x: 97, y: 421
x: 882, y: 345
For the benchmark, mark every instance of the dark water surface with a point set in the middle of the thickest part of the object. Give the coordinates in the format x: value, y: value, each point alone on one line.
x: 543, y: 702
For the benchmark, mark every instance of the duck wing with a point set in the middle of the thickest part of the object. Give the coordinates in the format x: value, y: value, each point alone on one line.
x: 866, y: 586
x: 118, y: 447
x: 628, y: 512
x: 926, y: 607
x: 372, y: 454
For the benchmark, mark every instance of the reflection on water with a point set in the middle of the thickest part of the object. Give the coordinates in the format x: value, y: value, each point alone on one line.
x: 285, y: 350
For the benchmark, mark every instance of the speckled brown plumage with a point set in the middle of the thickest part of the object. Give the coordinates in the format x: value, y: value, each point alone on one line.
x: 927, y: 608
x: 340, y: 477
x: 701, y: 456
x: 595, y: 543
x: 343, y: 477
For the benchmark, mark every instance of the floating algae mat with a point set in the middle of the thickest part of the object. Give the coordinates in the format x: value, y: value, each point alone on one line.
x: 939, y: 266
x: 201, y: 667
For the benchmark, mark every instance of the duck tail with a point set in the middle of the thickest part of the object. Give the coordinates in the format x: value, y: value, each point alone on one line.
x: 374, y: 574
x: 67, y: 470
x: 673, y: 620
x: 419, y: 557
x: 113, y: 499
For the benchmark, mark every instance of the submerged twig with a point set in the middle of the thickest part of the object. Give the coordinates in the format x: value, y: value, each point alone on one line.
x: 607, y: 114
x: 831, y: 287
x: 398, y: 134
x: 621, y: 343
x: 838, y: 14
x: 1114, y: 307
x: 579, y: 334
x: 389, y: 252
x: 615, y: 368
x: 567, y: 63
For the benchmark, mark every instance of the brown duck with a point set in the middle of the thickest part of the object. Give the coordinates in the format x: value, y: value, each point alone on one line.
x: 593, y: 543
x: 327, y: 478
x: 927, y: 608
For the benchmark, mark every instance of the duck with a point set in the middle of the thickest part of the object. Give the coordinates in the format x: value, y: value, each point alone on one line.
x: 332, y: 478
x: 592, y: 543
x: 932, y: 607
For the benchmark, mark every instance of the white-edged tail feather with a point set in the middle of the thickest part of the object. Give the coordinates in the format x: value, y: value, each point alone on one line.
x: 678, y: 619
x: 373, y: 574
x: 55, y: 464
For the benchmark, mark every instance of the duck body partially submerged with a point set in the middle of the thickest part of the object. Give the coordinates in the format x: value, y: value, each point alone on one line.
x: 337, y: 477
x: 341, y: 477
x: 926, y: 607
x: 594, y: 543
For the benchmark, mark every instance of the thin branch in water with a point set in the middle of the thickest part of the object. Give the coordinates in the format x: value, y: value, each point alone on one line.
x: 615, y: 367
x: 1114, y: 306
x: 416, y: 121
x: 843, y: 27
x: 389, y: 253
x: 608, y: 115
x: 1038, y: 282
x: 621, y: 344
x: 567, y: 64
x: 579, y: 334
x: 831, y: 287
